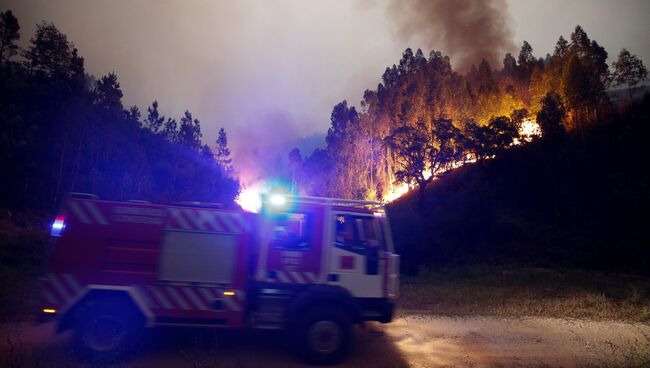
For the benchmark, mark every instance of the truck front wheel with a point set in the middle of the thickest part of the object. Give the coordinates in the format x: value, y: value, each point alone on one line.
x: 106, y: 332
x: 325, y: 335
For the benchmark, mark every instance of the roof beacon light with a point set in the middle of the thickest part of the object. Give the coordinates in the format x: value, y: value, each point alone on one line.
x: 58, y: 226
x: 278, y: 200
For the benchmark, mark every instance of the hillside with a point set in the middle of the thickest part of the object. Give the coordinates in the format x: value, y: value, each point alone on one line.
x: 579, y: 202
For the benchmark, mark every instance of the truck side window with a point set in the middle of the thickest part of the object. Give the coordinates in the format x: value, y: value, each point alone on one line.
x: 292, y: 231
x: 347, y: 234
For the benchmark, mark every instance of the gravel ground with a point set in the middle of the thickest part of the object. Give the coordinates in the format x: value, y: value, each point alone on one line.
x: 412, y: 340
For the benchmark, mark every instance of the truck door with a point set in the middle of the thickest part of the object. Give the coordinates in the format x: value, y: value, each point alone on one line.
x: 358, y: 256
x: 291, y: 245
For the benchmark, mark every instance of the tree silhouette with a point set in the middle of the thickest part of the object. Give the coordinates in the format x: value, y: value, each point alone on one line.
x: 222, y: 154
x: 551, y: 117
x: 9, y: 34
x: 154, y: 121
x: 108, y: 94
x: 189, y: 132
x: 501, y: 133
x: 414, y: 148
x: 629, y: 69
x: 561, y: 47
x: 64, y: 131
x: 53, y: 55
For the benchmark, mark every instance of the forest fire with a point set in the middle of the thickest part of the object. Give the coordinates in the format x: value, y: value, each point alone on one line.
x: 527, y: 131
x: 249, y: 199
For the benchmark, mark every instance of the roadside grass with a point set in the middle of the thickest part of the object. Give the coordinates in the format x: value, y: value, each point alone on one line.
x: 526, y: 292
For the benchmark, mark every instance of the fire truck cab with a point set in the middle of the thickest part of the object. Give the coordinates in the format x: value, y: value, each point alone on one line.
x: 313, y: 266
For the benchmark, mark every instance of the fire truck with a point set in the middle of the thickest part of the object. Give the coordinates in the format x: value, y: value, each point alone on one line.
x: 312, y: 266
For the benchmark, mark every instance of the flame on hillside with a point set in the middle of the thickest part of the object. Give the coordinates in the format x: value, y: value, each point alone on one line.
x: 249, y: 198
x: 528, y: 131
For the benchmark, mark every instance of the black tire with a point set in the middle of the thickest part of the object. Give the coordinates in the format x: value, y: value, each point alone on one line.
x: 325, y: 335
x: 107, y: 331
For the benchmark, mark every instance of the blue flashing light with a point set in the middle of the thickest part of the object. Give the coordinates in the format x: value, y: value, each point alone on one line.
x: 278, y: 200
x: 58, y: 226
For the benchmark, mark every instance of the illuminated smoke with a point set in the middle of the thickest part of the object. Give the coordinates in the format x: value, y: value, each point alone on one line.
x: 466, y: 30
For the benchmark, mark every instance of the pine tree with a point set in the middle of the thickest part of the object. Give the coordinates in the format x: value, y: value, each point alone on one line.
x: 561, y: 47
x: 629, y: 69
x: 189, y: 132
x: 154, y: 120
x: 53, y: 55
x: 108, y: 94
x: 9, y: 34
x: 222, y: 154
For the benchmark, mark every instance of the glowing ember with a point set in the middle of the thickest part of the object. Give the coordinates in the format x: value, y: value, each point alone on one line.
x: 528, y: 130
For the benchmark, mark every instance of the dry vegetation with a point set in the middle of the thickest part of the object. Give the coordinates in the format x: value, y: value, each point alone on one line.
x: 528, y: 292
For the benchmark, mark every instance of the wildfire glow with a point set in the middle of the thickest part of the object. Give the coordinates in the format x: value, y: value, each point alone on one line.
x: 397, y: 191
x: 527, y: 132
x: 249, y: 199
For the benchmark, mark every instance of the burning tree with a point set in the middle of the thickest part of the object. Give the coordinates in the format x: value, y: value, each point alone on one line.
x: 422, y: 152
x: 431, y: 118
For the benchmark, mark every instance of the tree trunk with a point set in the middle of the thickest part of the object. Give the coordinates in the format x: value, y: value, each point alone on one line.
x: 61, y: 161
x: 77, y: 164
x: 629, y: 91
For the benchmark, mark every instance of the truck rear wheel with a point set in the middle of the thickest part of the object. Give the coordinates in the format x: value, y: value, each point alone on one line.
x: 325, y: 335
x: 105, y: 332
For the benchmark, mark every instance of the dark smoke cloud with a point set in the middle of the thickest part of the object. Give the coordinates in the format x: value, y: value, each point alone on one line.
x: 466, y: 30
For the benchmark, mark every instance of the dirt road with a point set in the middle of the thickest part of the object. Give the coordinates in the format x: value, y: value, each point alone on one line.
x: 413, y: 340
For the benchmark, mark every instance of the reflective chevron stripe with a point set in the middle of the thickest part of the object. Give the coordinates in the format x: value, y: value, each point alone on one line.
x: 87, y: 212
x: 294, y: 277
x: 206, y: 220
x: 60, y: 288
x: 191, y: 298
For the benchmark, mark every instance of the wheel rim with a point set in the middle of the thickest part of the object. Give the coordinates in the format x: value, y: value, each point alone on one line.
x: 105, y: 333
x: 325, y: 337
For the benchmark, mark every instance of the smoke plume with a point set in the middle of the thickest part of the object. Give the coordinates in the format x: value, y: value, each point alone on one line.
x: 466, y: 30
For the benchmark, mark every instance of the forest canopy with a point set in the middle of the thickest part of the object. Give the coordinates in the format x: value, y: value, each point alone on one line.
x: 425, y: 118
x: 64, y: 130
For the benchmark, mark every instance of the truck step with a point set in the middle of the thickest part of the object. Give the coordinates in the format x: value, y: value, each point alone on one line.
x: 268, y: 320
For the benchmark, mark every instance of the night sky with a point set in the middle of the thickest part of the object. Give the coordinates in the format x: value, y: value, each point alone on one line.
x: 271, y: 71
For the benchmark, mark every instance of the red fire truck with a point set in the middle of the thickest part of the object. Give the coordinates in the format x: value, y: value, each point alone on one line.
x: 313, y: 266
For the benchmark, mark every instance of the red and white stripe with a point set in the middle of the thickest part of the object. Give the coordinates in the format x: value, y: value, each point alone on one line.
x: 59, y: 289
x: 206, y: 220
x: 88, y: 212
x: 174, y: 297
x: 294, y: 277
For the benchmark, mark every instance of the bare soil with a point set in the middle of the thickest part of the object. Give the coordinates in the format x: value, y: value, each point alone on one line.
x: 413, y: 340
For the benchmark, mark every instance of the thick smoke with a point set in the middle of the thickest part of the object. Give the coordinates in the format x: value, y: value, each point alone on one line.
x: 263, y: 145
x: 466, y: 30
